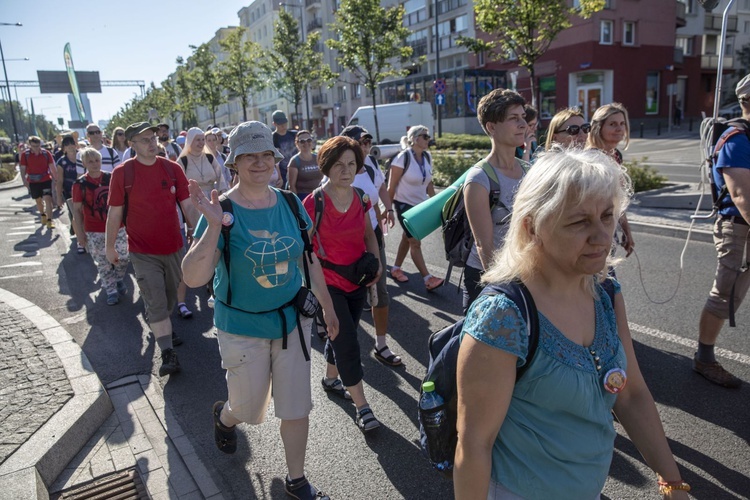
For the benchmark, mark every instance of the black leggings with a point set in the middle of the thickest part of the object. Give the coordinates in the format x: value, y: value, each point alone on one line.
x: 472, y: 288
x: 344, y: 351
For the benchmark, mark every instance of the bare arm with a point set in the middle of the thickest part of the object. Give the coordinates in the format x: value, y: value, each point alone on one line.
x: 114, y: 219
x: 59, y: 186
x: 385, y: 197
x: 191, y: 214
x: 78, y: 223
x: 371, y: 242
x: 485, y: 381
x: 477, y: 202
x: 431, y: 189
x: 628, y: 244
x: 738, y: 184
x: 636, y: 411
x: 320, y: 290
x: 22, y: 170
x: 393, y: 179
x: 291, y: 177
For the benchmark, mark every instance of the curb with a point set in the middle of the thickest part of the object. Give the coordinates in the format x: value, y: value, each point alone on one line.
x: 35, y: 465
x: 12, y: 184
x: 671, y: 231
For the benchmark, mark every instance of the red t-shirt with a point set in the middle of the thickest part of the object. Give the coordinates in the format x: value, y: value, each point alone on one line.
x: 37, y: 166
x: 341, y: 234
x: 94, y: 204
x: 152, y: 223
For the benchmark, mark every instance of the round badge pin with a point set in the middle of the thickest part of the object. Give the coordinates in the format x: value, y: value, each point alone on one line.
x: 173, y: 190
x: 615, y: 380
x: 227, y: 219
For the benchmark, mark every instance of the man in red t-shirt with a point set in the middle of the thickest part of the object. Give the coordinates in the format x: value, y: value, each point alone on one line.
x: 145, y: 190
x: 37, y: 172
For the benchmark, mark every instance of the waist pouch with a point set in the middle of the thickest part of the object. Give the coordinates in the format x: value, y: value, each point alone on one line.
x: 36, y: 177
x: 360, y: 273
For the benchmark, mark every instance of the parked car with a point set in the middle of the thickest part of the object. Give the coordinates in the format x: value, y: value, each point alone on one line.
x: 732, y: 111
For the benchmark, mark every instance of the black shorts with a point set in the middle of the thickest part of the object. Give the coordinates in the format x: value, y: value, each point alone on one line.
x: 40, y: 189
x: 400, y: 209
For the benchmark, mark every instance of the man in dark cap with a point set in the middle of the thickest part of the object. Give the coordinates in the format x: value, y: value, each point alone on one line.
x: 283, y: 140
x: 171, y: 147
x: 142, y: 195
x: 731, y: 172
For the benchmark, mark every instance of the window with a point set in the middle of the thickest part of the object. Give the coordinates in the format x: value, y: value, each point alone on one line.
x: 628, y: 33
x: 605, y: 33
x: 686, y: 44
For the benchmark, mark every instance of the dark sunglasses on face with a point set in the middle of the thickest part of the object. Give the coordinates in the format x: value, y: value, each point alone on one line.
x: 120, y: 133
x: 304, y: 141
x: 95, y: 132
x: 425, y: 136
x: 574, y: 129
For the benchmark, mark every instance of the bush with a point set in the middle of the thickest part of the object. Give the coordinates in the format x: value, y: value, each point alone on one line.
x: 7, y: 171
x: 8, y: 159
x: 644, y: 177
x: 463, y: 141
x: 447, y: 167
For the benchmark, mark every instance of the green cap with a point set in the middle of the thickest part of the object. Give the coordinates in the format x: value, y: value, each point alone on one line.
x: 428, y: 386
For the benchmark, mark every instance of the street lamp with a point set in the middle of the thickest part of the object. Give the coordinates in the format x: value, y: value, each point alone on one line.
x: 7, y: 86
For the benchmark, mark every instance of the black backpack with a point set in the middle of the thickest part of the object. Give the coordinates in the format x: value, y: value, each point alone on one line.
x: 407, y: 161
x: 443, y: 347
x: 226, y: 231
x: 184, y: 160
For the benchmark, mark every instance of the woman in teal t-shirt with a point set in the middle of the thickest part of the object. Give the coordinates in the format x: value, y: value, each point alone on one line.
x: 264, y: 347
x: 550, y: 434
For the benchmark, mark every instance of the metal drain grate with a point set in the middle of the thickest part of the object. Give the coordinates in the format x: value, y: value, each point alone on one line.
x: 123, y: 485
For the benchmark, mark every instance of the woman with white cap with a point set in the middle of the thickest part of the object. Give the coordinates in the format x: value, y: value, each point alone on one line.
x: 263, y: 343
x: 200, y: 166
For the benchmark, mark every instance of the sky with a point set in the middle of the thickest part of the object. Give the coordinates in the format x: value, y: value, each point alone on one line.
x: 128, y: 40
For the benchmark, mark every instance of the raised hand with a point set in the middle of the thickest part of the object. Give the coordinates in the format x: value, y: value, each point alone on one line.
x: 211, y: 209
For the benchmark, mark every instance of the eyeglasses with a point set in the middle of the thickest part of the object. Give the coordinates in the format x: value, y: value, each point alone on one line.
x: 744, y: 99
x: 94, y: 132
x: 574, y: 129
x: 304, y: 141
x: 151, y: 140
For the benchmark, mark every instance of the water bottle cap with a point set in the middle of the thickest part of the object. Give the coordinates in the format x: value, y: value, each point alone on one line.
x: 428, y: 386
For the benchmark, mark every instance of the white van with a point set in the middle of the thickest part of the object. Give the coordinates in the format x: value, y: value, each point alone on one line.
x: 394, y: 119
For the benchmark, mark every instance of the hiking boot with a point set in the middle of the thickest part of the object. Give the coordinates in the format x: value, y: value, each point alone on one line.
x: 112, y: 299
x: 169, y: 363
x: 50, y: 224
x: 122, y: 288
x: 714, y: 372
x: 225, y: 437
x: 303, y: 490
x: 176, y: 340
x: 44, y: 219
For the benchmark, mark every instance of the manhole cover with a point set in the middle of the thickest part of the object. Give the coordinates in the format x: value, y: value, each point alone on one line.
x: 123, y: 485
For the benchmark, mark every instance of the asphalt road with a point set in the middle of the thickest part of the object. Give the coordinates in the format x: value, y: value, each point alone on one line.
x: 677, y: 157
x: 708, y: 427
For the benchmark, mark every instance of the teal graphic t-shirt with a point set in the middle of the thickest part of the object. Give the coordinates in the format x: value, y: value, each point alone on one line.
x: 265, y: 247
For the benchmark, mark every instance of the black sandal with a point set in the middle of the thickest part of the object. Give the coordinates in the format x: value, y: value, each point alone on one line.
x: 225, y: 437
x: 303, y: 490
x: 391, y: 360
x: 366, y: 420
x: 336, y: 387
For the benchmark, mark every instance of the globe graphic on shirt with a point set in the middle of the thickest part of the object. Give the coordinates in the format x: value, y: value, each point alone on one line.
x: 271, y: 256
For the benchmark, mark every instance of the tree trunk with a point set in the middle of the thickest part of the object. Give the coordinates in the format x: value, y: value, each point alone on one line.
x: 375, y: 115
x: 532, y: 76
x: 244, y: 109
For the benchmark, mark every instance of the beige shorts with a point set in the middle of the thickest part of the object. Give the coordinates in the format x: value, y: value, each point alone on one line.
x: 731, y: 241
x: 158, y: 277
x: 257, y: 368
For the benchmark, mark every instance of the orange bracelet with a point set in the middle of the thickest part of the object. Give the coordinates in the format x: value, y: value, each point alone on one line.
x: 666, y: 487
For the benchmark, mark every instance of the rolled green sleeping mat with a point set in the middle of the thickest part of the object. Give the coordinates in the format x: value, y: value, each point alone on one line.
x: 424, y: 218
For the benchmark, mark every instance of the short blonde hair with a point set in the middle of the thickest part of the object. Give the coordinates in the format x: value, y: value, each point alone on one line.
x: 560, y: 178
x: 89, y: 153
x: 560, y: 117
x: 600, y: 116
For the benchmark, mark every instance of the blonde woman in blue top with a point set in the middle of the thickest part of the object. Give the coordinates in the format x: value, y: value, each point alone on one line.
x: 551, y: 433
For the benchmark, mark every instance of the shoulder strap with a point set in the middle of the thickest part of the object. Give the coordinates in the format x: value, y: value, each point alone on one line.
x: 226, y: 207
x: 184, y: 161
x: 427, y: 155
x: 291, y: 200
x: 361, y: 194
x: 407, y: 160
x: 128, y: 173
x: 106, y: 177
x: 370, y: 173
x: 210, y: 158
x: 319, y: 199
x: 494, y: 184
x: 175, y: 148
x: 111, y: 152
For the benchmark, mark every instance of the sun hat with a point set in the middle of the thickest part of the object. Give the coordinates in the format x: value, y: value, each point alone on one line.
x: 743, y: 86
x: 251, y: 137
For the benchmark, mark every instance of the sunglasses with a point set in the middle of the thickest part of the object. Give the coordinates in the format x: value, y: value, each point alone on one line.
x: 304, y: 141
x: 365, y: 142
x: 120, y: 133
x: 574, y: 129
x: 94, y: 132
x: 744, y: 99
x: 426, y: 136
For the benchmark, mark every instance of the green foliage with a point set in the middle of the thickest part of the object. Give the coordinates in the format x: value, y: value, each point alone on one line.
x: 45, y: 129
x: 447, y: 167
x: 238, y: 71
x: 292, y: 65
x: 7, y: 167
x: 368, y: 38
x: 644, y: 177
x: 524, y: 28
x: 463, y: 141
x: 205, y: 79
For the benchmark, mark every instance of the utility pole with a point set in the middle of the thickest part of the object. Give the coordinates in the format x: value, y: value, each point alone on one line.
x: 7, y: 87
x: 437, y: 70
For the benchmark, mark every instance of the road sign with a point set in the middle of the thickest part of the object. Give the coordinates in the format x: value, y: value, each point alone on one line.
x: 440, y: 99
x: 439, y: 86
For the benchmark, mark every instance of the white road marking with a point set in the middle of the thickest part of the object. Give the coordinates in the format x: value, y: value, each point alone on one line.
x: 20, y: 234
x: 33, y: 253
x: 35, y: 273
x: 693, y: 344
x: 22, y: 264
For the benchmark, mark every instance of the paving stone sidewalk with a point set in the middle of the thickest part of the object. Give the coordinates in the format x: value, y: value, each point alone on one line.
x: 33, y: 382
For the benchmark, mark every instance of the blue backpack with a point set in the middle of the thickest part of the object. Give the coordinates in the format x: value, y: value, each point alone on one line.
x: 443, y: 347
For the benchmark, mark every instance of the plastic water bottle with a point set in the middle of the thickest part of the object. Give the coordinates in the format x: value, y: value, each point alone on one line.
x: 435, y: 423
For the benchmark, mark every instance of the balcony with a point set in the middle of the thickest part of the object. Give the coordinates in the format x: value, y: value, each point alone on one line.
x: 681, y: 12
x: 419, y: 47
x: 320, y: 99
x: 711, y: 61
x: 713, y: 22
x: 312, y: 4
x: 315, y: 24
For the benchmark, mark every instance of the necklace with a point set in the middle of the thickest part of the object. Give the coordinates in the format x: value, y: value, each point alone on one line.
x: 250, y: 204
x: 198, y: 165
x: 336, y: 200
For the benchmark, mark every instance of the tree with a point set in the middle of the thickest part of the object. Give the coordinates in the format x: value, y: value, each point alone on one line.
x: 525, y: 28
x: 368, y: 39
x: 204, y: 76
x: 184, y: 92
x: 292, y: 65
x: 238, y: 72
